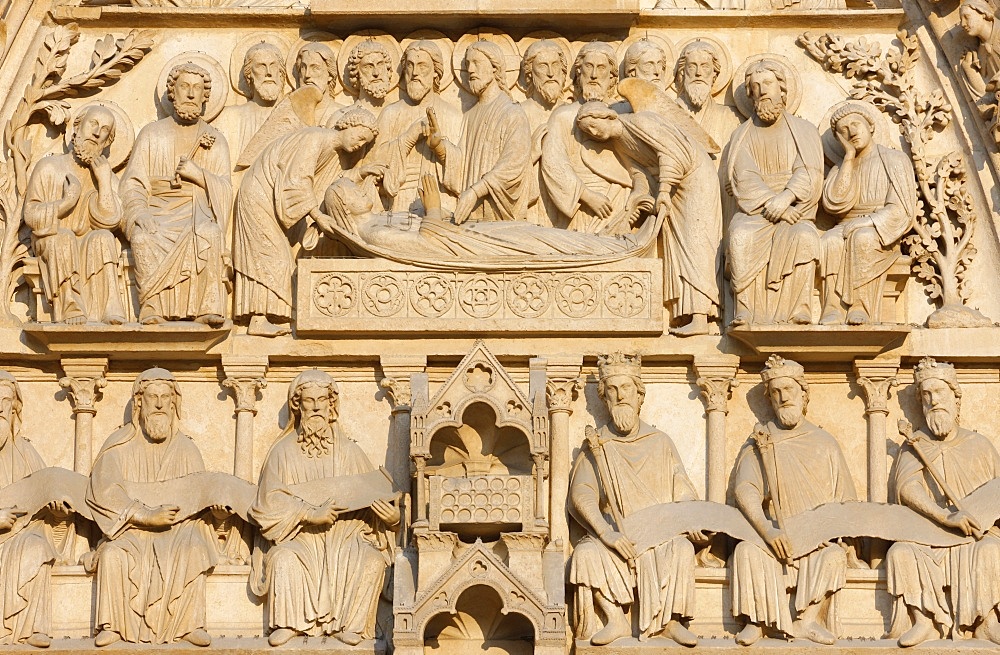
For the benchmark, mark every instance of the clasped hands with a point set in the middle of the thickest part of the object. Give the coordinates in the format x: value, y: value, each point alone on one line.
x: 779, y: 208
x: 326, y: 514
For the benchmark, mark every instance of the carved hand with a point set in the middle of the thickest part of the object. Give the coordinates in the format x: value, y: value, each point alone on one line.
x: 466, y: 203
x: 854, y: 224
x: 619, y: 542
x: 597, y: 203
x: 779, y: 544
x: 71, y: 195
x: 161, y: 516
x: 431, y: 131
x: 387, y: 512
x: 776, y: 206
x: 965, y: 523
x: 791, y: 216
x: 663, y: 203
x: 7, y: 517
x: 323, y: 515
x: 59, y: 509
x: 373, y: 170
x: 849, y: 150
x: 190, y: 171
x: 220, y: 512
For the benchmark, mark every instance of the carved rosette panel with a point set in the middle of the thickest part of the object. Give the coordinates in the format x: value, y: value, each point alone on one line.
x: 612, y: 298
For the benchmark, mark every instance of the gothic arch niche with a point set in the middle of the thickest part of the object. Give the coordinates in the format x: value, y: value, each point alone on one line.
x: 481, y: 445
x: 479, y: 624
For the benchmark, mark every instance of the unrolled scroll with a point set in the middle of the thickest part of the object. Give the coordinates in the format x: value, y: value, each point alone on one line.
x: 196, y: 492
x: 352, y: 492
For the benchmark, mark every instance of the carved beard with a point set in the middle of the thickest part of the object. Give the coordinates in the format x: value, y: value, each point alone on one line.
x: 157, y: 426
x: 85, y: 150
x: 768, y: 110
x: 697, y: 93
x: 479, y: 85
x: 592, y: 90
x: 940, y: 421
x: 377, y: 88
x: 187, y: 112
x: 624, y: 417
x: 416, y: 89
x: 268, y: 90
x: 550, y: 90
x: 789, y: 415
x: 315, y: 435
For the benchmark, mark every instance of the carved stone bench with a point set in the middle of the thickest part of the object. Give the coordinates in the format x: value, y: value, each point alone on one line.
x: 40, y: 307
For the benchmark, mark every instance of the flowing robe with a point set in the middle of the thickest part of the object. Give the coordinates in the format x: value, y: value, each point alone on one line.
x: 692, y: 234
x: 496, y: 147
x: 180, y: 266
x: 540, y: 208
x: 318, y: 580
x: 571, y: 163
x: 772, y: 265
x: 884, y: 191
x: 26, y: 557
x: 239, y: 124
x: 284, y: 184
x: 919, y: 575
x: 150, y: 583
x: 717, y: 119
x: 78, y: 248
x: 645, y: 470
x: 408, y: 162
x: 811, y: 471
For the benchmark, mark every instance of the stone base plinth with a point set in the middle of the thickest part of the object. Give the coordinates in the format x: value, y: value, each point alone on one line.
x: 778, y: 647
x: 220, y: 646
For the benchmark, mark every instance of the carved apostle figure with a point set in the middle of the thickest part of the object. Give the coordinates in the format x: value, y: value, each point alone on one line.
x: 945, y: 588
x: 316, y: 65
x: 980, y: 66
x: 325, y: 568
x: 72, y: 205
x: 405, y: 128
x: 264, y: 73
x: 775, y: 169
x: 588, y: 191
x: 369, y: 70
x: 30, y: 544
x: 790, y: 466
x: 284, y: 186
x: 646, y: 60
x: 177, y: 198
x: 544, y: 69
x: 697, y: 68
x: 685, y: 185
x: 874, y: 196
x: 628, y: 466
x: 151, y: 570
x: 488, y: 176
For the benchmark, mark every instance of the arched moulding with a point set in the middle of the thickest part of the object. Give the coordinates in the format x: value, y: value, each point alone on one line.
x: 121, y: 147
x: 794, y: 84
x: 534, y: 37
x: 446, y: 46
x: 236, y: 79
x: 653, y: 37
x: 512, y: 58
x: 330, y: 40
x: 220, y: 85
x: 352, y: 42
x: 722, y: 54
x: 834, y: 149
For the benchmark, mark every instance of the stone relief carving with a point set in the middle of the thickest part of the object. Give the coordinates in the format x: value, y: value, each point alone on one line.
x: 938, y: 467
x: 979, y: 67
x: 151, y: 567
x: 872, y: 193
x: 72, y: 205
x: 649, y: 57
x: 704, y: 70
x: 775, y: 171
x: 789, y: 466
x: 608, y: 482
x: 177, y: 198
x: 369, y: 72
x: 279, y: 198
x: 325, y: 563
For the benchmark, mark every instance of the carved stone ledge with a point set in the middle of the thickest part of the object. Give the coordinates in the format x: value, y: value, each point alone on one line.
x: 661, y: 646
x: 821, y: 342
x: 132, y: 338
x: 377, y: 296
x: 221, y: 646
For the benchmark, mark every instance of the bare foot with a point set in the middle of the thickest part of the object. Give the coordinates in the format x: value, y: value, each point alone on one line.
x: 39, y: 640
x: 989, y: 628
x: 813, y: 631
x: 832, y: 317
x: 801, y: 319
x: 280, y: 636
x: 155, y: 319
x: 922, y: 630
x: 114, y: 320
x: 857, y: 316
x: 749, y: 635
x: 738, y: 320
x: 261, y: 327
x: 198, y: 637
x: 697, y: 325
x: 79, y: 319
x: 349, y: 638
x: 211, y: 320
x: 617, y: 627
x: 675, y: 630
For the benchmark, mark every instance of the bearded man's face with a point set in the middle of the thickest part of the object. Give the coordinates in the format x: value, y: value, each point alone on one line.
x: 940, y: 407
x: 768, y: 98
x: 316, y: 415
x: 698, y: 76
x: 788, y: 401
x: 157, y: 410
x: 623, y: 399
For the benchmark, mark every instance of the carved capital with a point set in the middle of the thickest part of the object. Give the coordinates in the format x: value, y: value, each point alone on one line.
x: 83, y: 392
x: 560, y: 394
x: 398, y: 391
x: 716, y: 392
x: 876, y: 378
x: 245, y: 392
